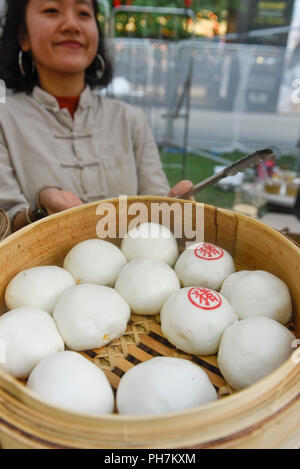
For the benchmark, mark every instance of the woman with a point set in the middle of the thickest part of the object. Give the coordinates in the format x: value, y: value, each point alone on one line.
x: 60, y: 144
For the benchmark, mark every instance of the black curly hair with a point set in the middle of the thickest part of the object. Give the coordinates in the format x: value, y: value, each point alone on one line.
x: 13, y: 24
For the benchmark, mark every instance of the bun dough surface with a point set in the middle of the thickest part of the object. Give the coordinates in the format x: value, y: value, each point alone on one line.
x: 252, y: 348
x: 72, y: 382
x: 38, y: 287
x: 28, y: 335
x: 95, y: 261
x: 151, y: 240
x: 194, y: 318
x: 89, y: 316
x: 205, y: 265
x: 145, y: 284
x: 258, y: 293
x: 163, y: 384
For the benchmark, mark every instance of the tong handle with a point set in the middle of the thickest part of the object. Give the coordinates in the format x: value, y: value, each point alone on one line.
x: 244, y: 163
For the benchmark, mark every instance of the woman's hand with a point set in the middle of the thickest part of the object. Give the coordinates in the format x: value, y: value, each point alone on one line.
x: 181, y: 188
x: 55, y: 200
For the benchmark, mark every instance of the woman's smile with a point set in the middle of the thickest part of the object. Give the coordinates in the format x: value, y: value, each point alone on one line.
x: 71, y: 44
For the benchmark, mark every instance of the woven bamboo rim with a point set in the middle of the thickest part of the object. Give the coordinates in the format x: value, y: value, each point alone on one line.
x: 249, y: 418
x: 4, y: 224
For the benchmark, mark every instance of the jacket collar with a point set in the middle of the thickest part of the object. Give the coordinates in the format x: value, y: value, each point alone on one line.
x: 50, y: 102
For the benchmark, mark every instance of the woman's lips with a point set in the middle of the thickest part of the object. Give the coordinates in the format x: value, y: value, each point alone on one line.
x: 71, y: 44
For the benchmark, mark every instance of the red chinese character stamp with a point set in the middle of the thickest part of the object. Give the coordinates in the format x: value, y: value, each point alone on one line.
x: 204, y: 298
x: 208, y: 251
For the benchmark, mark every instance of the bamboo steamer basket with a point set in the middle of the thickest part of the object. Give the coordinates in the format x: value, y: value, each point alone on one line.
x: 265, y: 415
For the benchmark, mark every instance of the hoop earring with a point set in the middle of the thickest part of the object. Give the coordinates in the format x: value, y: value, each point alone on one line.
x: 100, y: 73
x: 20, y: 59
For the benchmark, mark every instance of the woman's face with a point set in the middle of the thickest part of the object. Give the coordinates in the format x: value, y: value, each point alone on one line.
x: 61, y: 34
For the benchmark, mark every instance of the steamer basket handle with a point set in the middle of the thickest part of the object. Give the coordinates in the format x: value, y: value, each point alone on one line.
x: 4, y: 224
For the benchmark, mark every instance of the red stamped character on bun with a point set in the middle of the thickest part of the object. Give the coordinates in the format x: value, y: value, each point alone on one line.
x: 204, y: 298
x: 208, y: 252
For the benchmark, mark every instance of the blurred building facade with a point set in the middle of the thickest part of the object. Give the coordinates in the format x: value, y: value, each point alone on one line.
x: 260, y: 15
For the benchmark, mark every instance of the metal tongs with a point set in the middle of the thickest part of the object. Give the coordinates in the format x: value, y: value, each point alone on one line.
x: 244, y: 163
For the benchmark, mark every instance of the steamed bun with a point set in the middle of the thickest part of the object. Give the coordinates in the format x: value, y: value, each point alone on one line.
x: 252, y: 348
x: 29, y: 335
x: 38, y: 287
x: 258, y: 293
x: 146, y: 284
x: 193, y: 319
x: 163, y: 384
x: 95, y: 261
x: 205, y: 265
x: 70, y: 381
x: 151, y: 240
x: 89, y: 316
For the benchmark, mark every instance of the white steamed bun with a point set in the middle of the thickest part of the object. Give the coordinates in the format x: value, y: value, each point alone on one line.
x: 95, y: 261
x: 38, y: 287
x: 164, y: 384
x: 258, y: 293
x: 146, y: 284
x: 72, y: 382
x: 194, y: 318
x: 205, y: 265
x: 151, y: 240
x: 252, y: 348
x: 89, y: 316
x: 29, y: 335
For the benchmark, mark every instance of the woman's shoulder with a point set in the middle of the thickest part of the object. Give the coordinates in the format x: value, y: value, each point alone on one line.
x: 13, y: 104
x: 116, y: 106
x: 16, y: 97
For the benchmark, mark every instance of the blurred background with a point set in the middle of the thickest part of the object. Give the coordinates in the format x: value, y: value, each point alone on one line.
x: 217, y: 79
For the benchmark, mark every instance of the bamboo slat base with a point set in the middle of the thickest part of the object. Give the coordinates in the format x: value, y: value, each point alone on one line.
x: 142, y: 341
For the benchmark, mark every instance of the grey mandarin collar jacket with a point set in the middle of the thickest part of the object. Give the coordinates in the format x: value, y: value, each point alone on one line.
x: 107, y: 149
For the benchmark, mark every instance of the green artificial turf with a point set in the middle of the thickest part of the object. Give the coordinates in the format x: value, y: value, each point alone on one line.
x: 199, y: 168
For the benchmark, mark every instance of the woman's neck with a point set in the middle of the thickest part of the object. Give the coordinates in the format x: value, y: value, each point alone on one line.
x: 56, y: 85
